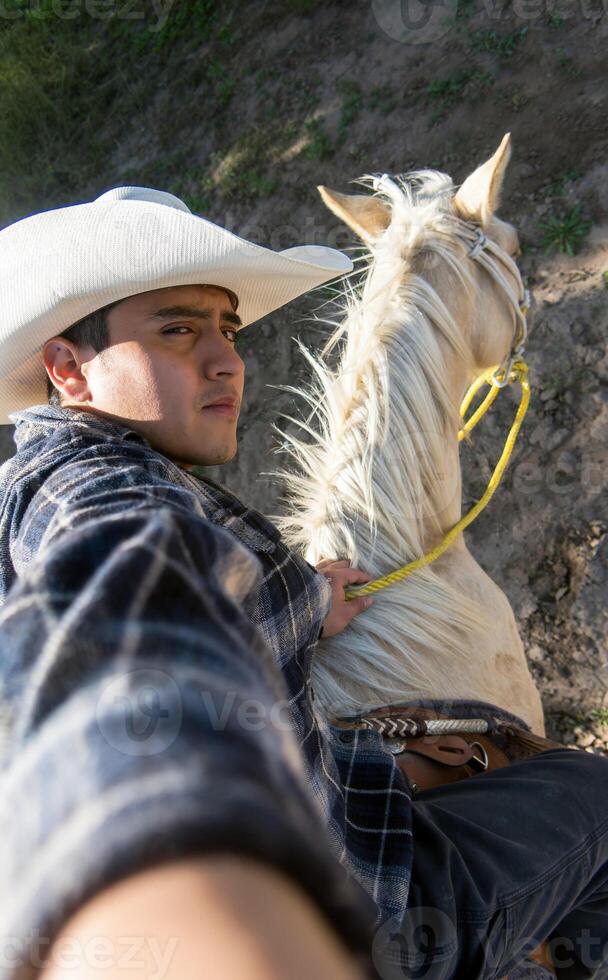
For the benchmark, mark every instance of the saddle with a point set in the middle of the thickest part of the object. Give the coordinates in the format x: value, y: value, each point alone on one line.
x: 434, y: 748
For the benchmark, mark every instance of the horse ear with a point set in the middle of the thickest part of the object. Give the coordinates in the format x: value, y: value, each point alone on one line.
x: 477, y: 198
x: 366, y: 215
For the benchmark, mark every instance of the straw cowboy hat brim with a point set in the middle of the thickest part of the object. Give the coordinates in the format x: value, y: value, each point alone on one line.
x: 60, y: 265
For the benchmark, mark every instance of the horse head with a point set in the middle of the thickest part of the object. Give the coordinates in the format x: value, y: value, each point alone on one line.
x: 421, y: 233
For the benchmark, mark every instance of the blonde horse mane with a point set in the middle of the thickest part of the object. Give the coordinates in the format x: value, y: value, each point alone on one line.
x: 365, y: 485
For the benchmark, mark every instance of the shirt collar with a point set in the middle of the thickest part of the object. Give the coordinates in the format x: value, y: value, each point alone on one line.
x: 39, y: 420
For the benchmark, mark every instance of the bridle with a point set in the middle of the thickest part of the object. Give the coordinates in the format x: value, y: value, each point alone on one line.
x: 488, y: 253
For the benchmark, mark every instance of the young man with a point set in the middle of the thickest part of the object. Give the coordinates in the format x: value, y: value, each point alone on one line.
x: 164, y: 775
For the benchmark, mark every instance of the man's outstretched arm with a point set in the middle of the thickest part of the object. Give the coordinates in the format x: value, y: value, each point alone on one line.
x: 218, y: 917
x: 140, y: 727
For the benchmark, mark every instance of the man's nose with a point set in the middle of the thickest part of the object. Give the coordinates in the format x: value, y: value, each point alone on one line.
x: 220, y: 357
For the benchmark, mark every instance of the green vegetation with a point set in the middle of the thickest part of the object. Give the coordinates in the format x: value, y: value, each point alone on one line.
x: 352, y: 103
x: 446, y: 92
x: 501, y: 44
x: 605, y: 279
x: 353, y: 100
x: 464, y: 9
x: 567, y: 64
x: 194, y: 19
x: 599, y: 716
x: 72, y: 82
x: 383, y: 99
x: 555, y: 20
x: 565, y: 233
x: 557, y: 187
x: 319, y: 146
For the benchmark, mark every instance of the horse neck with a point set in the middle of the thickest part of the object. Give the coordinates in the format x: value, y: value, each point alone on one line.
x: 383, y: 477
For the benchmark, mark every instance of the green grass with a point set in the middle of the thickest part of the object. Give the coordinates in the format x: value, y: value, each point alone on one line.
x: 468, y: 83
x: 599, y: 715
x: 555, y: 20
x: 605, y: 279
x: 319, y: 145
x: 565, y: 233
x: 501, y: 44
x: 351, y: 105
x: 557, y: 187
x: 193, y: 20
x: 71, y: 85
x: 383, y: 98
x: 567, y: 64
x: 464, y: 9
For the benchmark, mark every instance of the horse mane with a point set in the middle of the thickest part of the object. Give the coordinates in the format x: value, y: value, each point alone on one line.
x: 366, y: 478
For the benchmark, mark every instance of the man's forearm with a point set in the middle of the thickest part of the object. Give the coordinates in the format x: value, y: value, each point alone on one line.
x: 222, y: 918
x: 128, y: 673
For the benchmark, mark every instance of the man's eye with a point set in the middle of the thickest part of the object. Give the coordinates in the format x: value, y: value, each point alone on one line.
x: 232, y: 331
x: 171, y: 329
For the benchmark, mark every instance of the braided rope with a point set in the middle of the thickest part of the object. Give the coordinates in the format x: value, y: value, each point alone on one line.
x: 402, y: 727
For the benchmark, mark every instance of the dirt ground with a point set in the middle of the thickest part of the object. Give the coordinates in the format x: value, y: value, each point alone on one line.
x: 332, y: 91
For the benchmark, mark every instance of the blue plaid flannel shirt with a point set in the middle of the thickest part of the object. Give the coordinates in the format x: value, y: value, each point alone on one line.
x: 156, y: 639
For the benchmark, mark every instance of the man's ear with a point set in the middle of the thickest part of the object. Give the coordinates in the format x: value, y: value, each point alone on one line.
x: 477, y: 199
x: 63, y: 365
x: 366, y: 215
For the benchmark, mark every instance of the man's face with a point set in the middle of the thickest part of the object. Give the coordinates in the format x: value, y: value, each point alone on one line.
x: 171, y: 353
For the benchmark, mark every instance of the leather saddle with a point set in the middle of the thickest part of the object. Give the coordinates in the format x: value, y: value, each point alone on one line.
x: 429, y: 760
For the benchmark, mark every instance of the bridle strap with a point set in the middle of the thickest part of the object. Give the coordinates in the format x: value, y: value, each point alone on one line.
x: 489, y: 254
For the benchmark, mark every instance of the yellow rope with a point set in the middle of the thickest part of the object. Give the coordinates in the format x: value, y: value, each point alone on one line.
x: 519, y: 371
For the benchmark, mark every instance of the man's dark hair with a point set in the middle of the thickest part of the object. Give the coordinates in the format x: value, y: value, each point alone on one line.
x: 92, y: 331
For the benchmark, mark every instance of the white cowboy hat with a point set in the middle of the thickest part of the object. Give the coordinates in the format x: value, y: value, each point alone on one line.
x: 60, y: 265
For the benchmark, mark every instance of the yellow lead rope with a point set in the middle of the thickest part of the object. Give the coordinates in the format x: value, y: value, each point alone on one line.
x: 519, y: 371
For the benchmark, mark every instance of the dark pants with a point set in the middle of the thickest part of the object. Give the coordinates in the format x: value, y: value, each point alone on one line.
x: 507, y: 859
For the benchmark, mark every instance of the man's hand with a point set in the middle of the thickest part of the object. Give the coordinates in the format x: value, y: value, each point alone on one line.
x: 340, y: 574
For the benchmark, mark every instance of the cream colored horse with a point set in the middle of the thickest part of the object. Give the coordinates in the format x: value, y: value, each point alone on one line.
x: 380, y: 480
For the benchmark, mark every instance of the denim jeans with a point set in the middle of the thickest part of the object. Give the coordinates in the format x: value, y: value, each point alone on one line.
x: 506, y: 859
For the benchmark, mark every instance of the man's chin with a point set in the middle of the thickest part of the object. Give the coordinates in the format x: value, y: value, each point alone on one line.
x: 211, y: 458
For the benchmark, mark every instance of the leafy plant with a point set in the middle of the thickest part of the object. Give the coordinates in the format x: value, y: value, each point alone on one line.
x: 565, y: 234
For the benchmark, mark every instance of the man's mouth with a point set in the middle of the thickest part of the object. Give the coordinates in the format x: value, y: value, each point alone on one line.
x: 223, y: 408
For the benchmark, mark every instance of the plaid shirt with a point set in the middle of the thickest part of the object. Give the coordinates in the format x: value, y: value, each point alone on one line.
x: 156, y: 639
